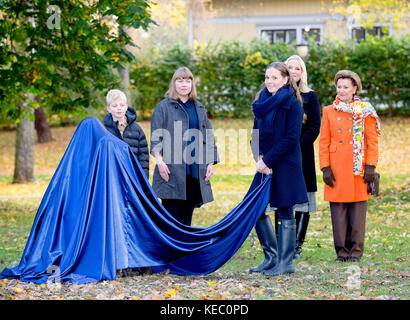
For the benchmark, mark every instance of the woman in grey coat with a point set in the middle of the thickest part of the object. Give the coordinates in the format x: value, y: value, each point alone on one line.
x: 183, y: 144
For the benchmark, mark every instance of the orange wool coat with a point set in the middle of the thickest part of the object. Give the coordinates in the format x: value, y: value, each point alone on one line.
x: 336, y: 151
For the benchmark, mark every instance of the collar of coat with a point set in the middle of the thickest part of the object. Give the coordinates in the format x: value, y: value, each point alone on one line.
x: 267, y: 102
x: 200, y: 109
x: 131, y: 115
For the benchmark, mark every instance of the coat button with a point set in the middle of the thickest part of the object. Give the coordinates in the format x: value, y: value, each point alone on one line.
x: 340, y: 142
x: 338, y: 118
x: 350, y: 130
x: 350, y: 118
x: 204, y: 142
x: 176, y: 107
x: 339, y: 130
x: 351, y: 142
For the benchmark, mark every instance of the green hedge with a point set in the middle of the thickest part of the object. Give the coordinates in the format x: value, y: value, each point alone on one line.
x: 230, y: 73
x: 382, y: 64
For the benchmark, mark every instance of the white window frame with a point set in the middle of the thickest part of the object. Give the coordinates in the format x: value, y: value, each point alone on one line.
x: 299, y: 30
x: 279, y: 29
x: 381, y: 25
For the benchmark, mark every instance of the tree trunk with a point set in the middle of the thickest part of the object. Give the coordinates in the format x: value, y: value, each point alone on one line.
x: 42, y: 127
x: 24, y: 158
x: 124, y: 74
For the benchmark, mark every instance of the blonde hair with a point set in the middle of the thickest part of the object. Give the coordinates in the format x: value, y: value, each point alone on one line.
x: 181, y: 73
x: 303, y: 84
x: 353, y: 76
x: 115, y: 94
x: 283, y: 69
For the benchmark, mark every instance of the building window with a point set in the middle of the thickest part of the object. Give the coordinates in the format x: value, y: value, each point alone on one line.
x: 290, y: 33
x: 311, y: 32
x: 274, y: 36
x: 360, y: 33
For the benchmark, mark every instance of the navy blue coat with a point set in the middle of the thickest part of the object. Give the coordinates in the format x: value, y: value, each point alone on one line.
x: 281, y: 152
x: 310, y: 132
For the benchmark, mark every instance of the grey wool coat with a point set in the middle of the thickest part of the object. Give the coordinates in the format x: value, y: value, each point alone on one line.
x: 169, y: 128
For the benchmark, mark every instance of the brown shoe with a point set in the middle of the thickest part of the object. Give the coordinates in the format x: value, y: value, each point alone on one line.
x: 341, y: 259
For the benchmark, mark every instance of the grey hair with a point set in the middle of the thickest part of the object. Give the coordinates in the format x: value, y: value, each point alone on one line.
x: 115, y: 94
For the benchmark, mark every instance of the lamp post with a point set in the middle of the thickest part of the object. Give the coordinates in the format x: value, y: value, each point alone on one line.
x: 302, y: 49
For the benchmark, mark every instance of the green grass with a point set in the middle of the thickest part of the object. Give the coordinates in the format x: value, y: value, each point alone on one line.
x: 383, y: 270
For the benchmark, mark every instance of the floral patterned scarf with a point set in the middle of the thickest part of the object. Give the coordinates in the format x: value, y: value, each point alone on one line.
x: 360, y: 110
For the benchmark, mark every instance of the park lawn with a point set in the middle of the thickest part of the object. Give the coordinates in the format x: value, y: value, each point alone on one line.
x: 382, y: 273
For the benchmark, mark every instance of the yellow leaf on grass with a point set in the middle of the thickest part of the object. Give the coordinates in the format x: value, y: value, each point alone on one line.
x: 18, y: 290
x: 171, y: 293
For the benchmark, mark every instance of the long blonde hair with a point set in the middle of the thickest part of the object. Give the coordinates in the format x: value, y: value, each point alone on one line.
x: 303, y: 84
x: 283, y: 69
x: 181, y: 73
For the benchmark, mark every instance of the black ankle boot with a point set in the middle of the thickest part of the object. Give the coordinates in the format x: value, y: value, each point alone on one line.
x: 267, y: 239
x: 302, y: 222
x: 286, y: 249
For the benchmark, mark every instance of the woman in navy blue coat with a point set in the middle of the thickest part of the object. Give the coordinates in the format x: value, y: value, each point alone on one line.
x: 310, y: 132
x: 277, y: 124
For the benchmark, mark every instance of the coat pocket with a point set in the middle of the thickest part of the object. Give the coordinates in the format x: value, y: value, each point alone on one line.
x: 332, y: 148
x: 169, y: 184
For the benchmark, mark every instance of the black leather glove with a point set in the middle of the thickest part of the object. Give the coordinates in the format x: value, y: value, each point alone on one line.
x: 328, y: 176
x: 369, y: 173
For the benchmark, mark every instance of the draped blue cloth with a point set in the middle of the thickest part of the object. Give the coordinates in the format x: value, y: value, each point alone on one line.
x: 99, y: 214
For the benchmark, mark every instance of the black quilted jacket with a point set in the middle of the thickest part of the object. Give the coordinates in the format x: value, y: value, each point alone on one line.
x: 133, y: 135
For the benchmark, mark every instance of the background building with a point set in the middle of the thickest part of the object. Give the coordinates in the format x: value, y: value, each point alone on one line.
x: 277, y: 20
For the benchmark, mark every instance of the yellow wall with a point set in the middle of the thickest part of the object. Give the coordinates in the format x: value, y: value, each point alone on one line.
x: 220, y: 8
x: 225, y: 32
x: 210, y: 24
x: 222, y: 20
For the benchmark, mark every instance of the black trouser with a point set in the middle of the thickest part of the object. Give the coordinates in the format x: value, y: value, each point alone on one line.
x: 182, y: 210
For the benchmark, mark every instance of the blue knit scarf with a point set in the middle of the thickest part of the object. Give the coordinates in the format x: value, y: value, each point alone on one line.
x: 266, y: 106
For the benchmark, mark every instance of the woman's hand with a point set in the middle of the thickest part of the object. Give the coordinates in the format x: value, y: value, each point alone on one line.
x: 162, y: 167
x: 209, y: 172
x: 261, y: 167
x: 267, y: 171
x: 328, y: 176
x: 163, y: 170
x: 369, y: 173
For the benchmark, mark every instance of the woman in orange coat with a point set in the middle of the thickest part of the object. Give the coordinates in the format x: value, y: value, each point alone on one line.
x: 348, y: 154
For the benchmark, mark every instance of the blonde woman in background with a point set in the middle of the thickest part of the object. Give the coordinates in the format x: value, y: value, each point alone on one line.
x: 310, y: 132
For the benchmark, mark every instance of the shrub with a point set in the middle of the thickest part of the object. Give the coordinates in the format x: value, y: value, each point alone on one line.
x: 230, y: 73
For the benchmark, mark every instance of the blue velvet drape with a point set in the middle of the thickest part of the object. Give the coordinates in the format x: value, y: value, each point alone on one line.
x: 100, y: 214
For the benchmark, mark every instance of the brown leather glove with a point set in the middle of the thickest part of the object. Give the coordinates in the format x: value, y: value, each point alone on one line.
x: 373, y: 187
x: 369, y: 173
x: 328, y: 176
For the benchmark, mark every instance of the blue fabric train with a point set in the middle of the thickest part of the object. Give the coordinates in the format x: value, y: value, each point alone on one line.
x: 100, y: 214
